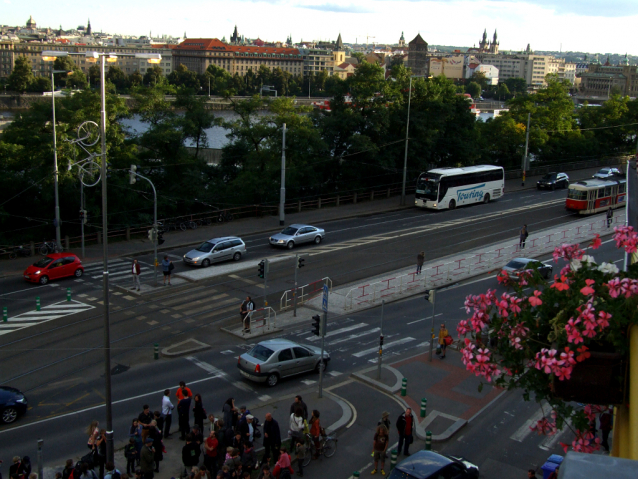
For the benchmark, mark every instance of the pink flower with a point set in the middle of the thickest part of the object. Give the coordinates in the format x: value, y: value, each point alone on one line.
x: 568, y: 251
x: 573, y: 332
x: 596, y: 242
x: 584, y: 354
x: 560, y: 286
x: 603, y: 320
x: 535, y: 300
x: 626, y: 237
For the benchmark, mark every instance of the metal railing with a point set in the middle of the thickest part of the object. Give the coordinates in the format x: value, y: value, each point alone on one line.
x: 308, y: 291
x: 462, y: 268
x: 263, y: 319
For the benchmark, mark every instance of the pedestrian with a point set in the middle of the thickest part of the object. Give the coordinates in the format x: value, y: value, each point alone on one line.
x: 92, y: 431
x: 249, y: 458
x: 443, y: 341
x: 167, y: 412
x: 100, y: 446
x: 204, y: 473
x: 183, y: 391
x: 243, y: 412
x: 244, y: 310
x: 554, y: 474
x: 220, y: 434
x: 68, y: 469
x: 147, y: 459
x: 190, y: 454
x: 136, y: 274
x: 606, y: 420
x: 111, y: 472
x: 246, y: 429
x: 212, y: 423
x: 420, y: 258
x: 237, y: 442
x: 87, y: 473
x: 183, y: 414
x: 405, y: 426
x: 283, y: 463
x: 379, y: 448
x: 199, y: 413
x: 315, y: 432
x: 135, y: 433
x: 531, y: 474
x: 167, y: 267
x: 145, y: 419
x: 230, y: 412
x: 385, y: 421
x: 132, y: 456
x: 299, y: 403
x: 17, y: 468
x: 159, y: 421
x: 523, y: 236
x: 210, y: 453
x: 272, y: 439
x: 265, y: 472
x: 300, y: 455
x: 198, y: 437
x: 296, y: 426
x: 610, y: 217
x: 158, y: 445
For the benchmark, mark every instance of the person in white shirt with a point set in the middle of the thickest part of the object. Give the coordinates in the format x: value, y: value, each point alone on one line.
x: 167, y: 412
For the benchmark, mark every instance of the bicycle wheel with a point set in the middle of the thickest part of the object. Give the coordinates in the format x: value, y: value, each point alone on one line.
x: 329, y: 447
x: 182, y: 226
x: 199, y: 222
x: 192, y: 225
x: 220, y: 218
x: 229, y: 216
x: 13, y: 255
x: 310, y: 451
x: 208, y: 221
x: 44, y: 250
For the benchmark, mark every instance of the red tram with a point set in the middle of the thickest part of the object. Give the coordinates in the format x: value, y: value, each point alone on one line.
x: 595, y: 196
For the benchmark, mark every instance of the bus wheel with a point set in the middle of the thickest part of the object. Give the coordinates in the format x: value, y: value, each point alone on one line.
x: 486, y: 199
x: 452, y: 204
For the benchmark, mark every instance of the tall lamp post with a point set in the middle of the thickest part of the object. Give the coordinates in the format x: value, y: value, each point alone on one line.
x: 93, y: 57
x: 407, y: 129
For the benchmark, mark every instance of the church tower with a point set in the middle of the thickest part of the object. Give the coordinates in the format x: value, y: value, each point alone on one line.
x: 483, y: 42
x: 494, y: 44
x: 235, y: 36
x: 402, y: 40
x: 88, y: 28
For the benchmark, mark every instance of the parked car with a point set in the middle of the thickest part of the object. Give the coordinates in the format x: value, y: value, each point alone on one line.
x: 274, y: 359
x: 216, y: 250
x: 12, y: 404
x: 431, y: 465
x: 553, y: 181
x: 604, y: 173
x: 518, y: 265
x: 54, y: 266
x: 297, y: 234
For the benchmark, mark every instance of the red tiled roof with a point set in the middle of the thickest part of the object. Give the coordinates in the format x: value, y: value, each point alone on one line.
x: 214, y: 44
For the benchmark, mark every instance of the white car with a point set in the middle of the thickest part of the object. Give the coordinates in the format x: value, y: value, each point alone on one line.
x: 605, y: 173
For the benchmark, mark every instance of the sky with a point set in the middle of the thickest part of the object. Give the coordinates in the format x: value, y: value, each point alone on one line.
x: 594, y: 26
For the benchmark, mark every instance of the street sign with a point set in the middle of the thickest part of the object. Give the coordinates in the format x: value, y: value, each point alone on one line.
x: 324, y: 303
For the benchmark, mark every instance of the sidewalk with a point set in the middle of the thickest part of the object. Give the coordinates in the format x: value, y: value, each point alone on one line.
x: 248, y: 226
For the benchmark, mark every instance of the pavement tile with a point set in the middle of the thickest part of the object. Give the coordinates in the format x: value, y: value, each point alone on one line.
x: 387, y: 377
x: 439, y: 425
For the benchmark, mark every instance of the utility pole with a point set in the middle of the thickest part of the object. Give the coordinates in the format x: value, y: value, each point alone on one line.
x: 405, y: 156
x: 282, y: 193
x: 83, y: 216
x: 380, y: 343
x: 58, y: 235
x: 526, y: 148
x: 322, y: 331
x: 430, y: 296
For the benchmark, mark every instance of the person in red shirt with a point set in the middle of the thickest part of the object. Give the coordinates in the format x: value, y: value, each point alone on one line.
x: 315, y: 432
x: 405, y: 427
x: 210, y: 448
x: 183, y: 391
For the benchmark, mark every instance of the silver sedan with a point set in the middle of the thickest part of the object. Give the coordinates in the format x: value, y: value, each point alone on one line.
x: 297, y: 234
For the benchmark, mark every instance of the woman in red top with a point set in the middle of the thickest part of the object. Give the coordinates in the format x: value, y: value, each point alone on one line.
x: 210, y: 447
x: 315, y: 431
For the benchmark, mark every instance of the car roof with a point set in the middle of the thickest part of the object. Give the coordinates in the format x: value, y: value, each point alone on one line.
x: 301, y: 225
x: 523, y: 260
x: 422, y: 464
x: 60, y: 255
x: 223, y: 238
x: 279, y: 343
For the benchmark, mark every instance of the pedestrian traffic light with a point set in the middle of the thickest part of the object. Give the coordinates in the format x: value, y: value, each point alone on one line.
x: 152, y: 234
x: 316, y: 325
x: 261, y: 268
x: 427, y: 295
x: 381, y: 340
x: 108, y: 170
x: 133, y: 174
x: 430, y: 295
x: 300, y: 262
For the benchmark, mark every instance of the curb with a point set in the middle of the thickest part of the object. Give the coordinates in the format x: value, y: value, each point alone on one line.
x: 360, y: 375
x: 201, y: 347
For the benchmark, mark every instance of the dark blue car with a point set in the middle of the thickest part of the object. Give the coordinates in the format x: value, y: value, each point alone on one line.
x: 12, y: 404
x: 430, y: 465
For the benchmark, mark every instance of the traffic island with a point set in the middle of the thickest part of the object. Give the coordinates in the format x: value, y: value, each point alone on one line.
x: 185, y: 347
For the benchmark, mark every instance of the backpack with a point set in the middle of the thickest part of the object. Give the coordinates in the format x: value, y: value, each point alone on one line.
x: 284, y: 474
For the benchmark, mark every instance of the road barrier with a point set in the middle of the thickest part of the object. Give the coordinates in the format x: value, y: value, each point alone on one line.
x: 428, y: 440
x: 393, y: 458
x: 404, y: 387
x: 262, y: 318
x: 68, y: 294
x: 473, y: 265
x: 424, y: 405
x: 5, y: 314
x: 37, y: 303
x: 156, y: 351
x: 304, y: 293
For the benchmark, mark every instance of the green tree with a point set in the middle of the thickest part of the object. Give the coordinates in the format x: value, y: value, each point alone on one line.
x: 40, y: 84
x: 117, y: 76
x: 516, y: 86
x: 503, y: 91
x: 481, y: 79
x: 473, y: 89
x: 135, y: 79
x: 94, y: 75
x: 154, y: 76
x: 77, y: 80
x: 197, y: 118
x: 183, y: 77
x: 21, y: 75
x: 360, y: 56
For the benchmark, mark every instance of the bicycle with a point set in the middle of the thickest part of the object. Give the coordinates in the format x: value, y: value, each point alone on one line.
x: 49, y: 247
x: 10, y: 253
x: 225, y: 216
x: 184, y: 225
x: 327, y: 446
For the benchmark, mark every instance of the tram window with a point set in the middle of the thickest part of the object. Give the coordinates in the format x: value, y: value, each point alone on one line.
x: 608, y: 191
x: 601, y: 192
x: 622, y: 188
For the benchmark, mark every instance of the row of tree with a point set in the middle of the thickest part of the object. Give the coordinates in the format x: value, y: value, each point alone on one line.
x: 358, y: 144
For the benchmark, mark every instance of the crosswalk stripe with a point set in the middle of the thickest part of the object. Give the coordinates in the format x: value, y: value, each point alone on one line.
x: 398, y: 342
x: 525, y: 430
x: 200, y: 301
x: 353, y: 336
x: 209, y: 306
x: 337, y: 331
x: 46, y: 313
x: 197, y: 294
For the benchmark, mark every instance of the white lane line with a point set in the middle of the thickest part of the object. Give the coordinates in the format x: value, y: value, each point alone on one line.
x: 398, y: 342
x: 353, y: 336
x: 22, y: 290
x: 209, y: 368
x: 338, y: 331
x: 423, y: 319
x: 549, y: 442
x: 525, y: 430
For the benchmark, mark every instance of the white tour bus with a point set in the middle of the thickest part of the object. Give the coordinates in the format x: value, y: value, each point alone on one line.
x: 444, y: 188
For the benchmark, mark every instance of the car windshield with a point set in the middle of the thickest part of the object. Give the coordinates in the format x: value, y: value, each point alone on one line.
x: 550, y: 176
x: 604, y: 171
x: 428, y: 185
x: 515, y: 264
x: 262, y: 353
x: 205, y: 247
x: 43, y: 262
x: 290, y: 231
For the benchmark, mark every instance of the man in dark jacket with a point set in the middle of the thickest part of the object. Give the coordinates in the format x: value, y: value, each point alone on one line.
x: 183, y: 412
x: 299, y: 404
x: 147, y: 459
x: 272, y: 439
x: 190, y: 454
x: 406, y: 424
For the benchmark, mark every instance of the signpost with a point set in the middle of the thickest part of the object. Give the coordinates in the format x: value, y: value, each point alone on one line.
x: 322, y: 329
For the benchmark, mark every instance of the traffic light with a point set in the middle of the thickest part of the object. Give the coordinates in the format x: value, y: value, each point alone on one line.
x: 381, y: 340
x: 152, y: 235
x: 133, y: 174
x: 262, y: 269
x: 427, y: 295
x: 160, y: 238
x: 108, y: 169
x: 300, y: 262
x: 84, y: 218
x: 316, y: 325
x: 430, y: 295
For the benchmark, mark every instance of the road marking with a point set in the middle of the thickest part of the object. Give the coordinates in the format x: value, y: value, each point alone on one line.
x: 549, y: 442
x: 22, y: 290
x: 353, y: 336
x: 525, y: 430
x: 209, y: 368
x: 46, y: 313
x: 264, y: 398
x: 309, y: 382
x: 398, y: 342
x: 245, y: 280
x: 337, y: 331
x: 334, y: 374
x: 228, y: 351
x: 429, y: 317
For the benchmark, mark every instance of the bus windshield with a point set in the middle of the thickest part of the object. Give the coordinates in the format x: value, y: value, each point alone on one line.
x: 427, y: 186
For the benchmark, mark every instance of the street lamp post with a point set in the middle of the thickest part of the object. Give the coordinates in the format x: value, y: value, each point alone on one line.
x: 405, y: 156
x: 93, y: 57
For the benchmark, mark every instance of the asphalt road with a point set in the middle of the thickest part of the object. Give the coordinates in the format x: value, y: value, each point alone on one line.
x: 63, y: 401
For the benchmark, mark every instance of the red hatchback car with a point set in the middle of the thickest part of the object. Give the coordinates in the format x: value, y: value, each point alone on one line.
x: 54, y: 266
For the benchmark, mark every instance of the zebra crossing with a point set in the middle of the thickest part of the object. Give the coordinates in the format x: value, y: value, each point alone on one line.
x: 120, y: 271
x: 46, y: 313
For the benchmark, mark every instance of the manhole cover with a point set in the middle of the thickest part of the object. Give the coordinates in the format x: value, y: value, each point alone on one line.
x: 120, y: 368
